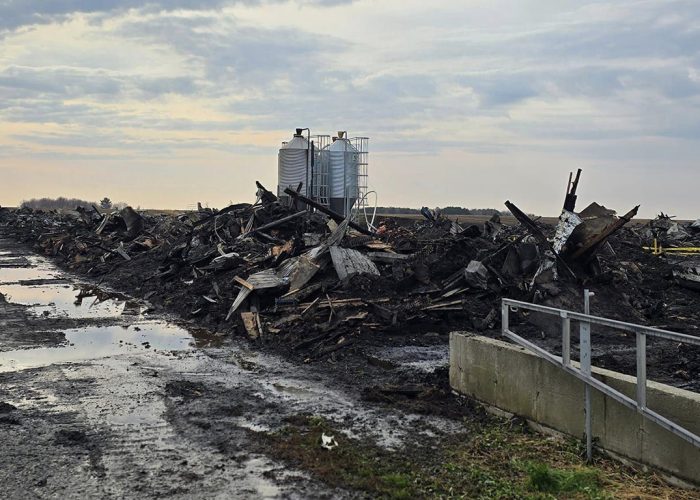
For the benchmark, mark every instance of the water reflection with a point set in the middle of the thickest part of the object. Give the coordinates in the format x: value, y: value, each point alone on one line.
x: 15, y: 274
x: 61, y: 300
x: 95, y: 342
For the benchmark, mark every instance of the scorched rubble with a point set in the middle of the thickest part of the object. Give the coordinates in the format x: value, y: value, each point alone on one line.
x: 308, y: 283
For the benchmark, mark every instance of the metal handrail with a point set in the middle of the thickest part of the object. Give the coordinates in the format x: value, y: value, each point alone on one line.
x: 613, y: 323
x: 639, y: 403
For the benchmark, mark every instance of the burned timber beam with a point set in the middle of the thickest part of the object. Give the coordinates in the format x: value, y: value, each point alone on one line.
x: 528, y: 223
x: 539, y: 235
x: 589, y: 247
x: 330, y: 213
x: 570, y: 199
x: 273, y: 224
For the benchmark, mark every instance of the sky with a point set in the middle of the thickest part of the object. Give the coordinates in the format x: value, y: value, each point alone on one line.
x: 468, y: 103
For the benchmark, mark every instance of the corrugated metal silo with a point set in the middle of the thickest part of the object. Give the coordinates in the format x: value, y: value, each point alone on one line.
x: 293, y: 164
x: 343, y: 159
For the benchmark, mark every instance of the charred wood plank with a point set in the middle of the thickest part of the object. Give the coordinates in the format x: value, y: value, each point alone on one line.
x: 349, y: 262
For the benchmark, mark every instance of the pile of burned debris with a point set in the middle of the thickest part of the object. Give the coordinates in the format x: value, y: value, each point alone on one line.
x: 298, y: 274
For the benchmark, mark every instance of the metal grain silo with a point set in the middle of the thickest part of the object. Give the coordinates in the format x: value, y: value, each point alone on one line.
x: 343, y: 160
x: 293, y: 164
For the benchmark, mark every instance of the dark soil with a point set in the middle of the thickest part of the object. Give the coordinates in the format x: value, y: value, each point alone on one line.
x: 227, y: 419
x: 631, y: 285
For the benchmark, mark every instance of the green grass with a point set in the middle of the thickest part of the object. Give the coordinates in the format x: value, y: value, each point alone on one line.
x: 351, y: 465
x: 490, y: 460
x: 543, y: 478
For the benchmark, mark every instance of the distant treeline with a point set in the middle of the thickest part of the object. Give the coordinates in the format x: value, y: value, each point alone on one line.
x: 63, y: 203
x: 445, y: 211
x: 60, y: 203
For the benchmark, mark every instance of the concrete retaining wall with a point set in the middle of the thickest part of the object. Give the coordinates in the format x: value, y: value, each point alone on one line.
x: 513, y: 379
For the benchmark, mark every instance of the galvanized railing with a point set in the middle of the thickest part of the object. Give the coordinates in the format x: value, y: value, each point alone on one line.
x: 583, y: 373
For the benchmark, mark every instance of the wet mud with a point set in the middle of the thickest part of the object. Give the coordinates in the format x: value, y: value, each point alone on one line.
x: 100, y: 396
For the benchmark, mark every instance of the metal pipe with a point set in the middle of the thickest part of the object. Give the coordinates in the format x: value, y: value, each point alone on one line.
x: 272, y: 224
x: 623, y: 399
x: 612, y: 323
x: 345, y: 178
x: 308, y: 160
x: 312, y: 162
x: 333, y: 215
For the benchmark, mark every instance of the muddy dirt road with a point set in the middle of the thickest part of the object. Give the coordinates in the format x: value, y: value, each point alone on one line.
x: 100, y: 398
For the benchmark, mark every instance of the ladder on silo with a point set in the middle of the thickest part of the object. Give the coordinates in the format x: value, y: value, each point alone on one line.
x: 361, y: 144
x: 320, y: 179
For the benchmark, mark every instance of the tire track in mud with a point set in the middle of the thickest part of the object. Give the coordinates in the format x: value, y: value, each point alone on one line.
x: 143, y: 452
x: 104, y: 429
x: 47, y: 449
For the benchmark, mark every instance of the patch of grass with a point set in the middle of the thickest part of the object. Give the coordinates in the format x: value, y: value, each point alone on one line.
x: 352, y: 464
x: 384, y: 474
x: 490, y: 460
x: 542, y: 477
x: 396, y: 485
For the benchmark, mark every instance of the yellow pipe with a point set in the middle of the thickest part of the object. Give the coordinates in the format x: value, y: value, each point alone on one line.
x: 658, y: 249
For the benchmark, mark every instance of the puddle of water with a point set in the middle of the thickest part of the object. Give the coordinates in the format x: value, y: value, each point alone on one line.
x: 60, y: 300
x: 13, y: 262
x: 35, y: 268
x: 255, y: 469
x: 15, y: 274
x: 252, y: 426
x: 99, y: 342
x: 424, y: 358
x: 294, y: 391
x: 41, y: 287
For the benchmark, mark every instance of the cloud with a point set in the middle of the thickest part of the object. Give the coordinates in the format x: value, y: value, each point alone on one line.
x: 545, y: 79
x: 276, y: 75
x: 17, y: 13
x: 24, y: 82
x: 234, y: 54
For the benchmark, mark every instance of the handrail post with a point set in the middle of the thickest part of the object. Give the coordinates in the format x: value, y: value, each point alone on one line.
x: 585, y: 355
x: 641, y: 371
x: 565, y: 339
x: 504, y: 319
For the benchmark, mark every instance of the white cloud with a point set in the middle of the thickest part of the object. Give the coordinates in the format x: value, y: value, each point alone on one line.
x: 558, y: 83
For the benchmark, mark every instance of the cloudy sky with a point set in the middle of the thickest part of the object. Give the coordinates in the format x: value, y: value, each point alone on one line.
x: 467, y: 102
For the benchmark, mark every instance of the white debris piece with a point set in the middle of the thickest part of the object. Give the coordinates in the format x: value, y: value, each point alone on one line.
x: 567, y: 223
x: 328, y: 442
x: 476, y: 275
